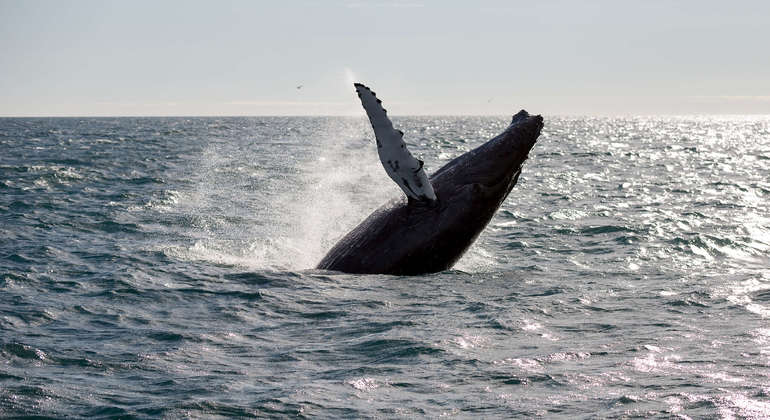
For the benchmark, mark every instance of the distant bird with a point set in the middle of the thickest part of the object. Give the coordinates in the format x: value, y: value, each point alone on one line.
x: 490, y: 100
x: 299, y: 87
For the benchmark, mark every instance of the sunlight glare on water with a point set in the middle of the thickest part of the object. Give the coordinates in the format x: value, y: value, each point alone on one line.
x: 163, y: 267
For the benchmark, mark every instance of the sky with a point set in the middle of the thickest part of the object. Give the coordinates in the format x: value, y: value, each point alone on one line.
x: 137, y: 58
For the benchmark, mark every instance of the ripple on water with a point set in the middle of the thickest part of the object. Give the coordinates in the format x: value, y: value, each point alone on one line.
x: 160, y: 267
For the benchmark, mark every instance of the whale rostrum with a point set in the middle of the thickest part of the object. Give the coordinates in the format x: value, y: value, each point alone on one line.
x: 431, y: 228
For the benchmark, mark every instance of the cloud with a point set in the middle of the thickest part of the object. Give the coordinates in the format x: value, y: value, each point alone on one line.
x: 734, y: 98
x: 138, y: 104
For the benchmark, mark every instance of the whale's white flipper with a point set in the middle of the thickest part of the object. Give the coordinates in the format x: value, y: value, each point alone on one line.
x: 400, y: 165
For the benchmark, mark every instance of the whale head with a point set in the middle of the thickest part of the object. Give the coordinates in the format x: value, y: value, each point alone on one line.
x: 487, y: 174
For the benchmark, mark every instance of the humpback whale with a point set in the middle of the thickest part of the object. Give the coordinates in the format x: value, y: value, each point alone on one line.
x: 430, y: 228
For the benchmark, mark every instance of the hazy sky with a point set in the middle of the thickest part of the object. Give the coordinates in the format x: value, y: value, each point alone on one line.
x: 422, y: 57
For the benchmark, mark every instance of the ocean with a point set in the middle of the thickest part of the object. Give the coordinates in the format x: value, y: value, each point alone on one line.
x: 163, y: 268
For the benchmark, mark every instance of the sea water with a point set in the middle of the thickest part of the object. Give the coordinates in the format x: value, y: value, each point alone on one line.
x: 163, y: 267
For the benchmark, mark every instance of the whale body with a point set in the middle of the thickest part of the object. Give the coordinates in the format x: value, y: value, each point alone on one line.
x: 427, y: 231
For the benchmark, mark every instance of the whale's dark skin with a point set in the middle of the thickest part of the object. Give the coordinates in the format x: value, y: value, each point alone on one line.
x: 409, y: 237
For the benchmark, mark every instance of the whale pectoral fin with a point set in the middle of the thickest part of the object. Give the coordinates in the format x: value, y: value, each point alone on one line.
x: 400, y: 165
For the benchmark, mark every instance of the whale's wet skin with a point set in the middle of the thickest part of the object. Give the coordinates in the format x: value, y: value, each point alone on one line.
x: 409, y: 236
x: 430, y: 228
x: 162, y: 268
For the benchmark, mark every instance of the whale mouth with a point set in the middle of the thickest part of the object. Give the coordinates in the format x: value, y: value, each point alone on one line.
x: 502, y: 184
x: 492, y: 168
x: 508, y: 154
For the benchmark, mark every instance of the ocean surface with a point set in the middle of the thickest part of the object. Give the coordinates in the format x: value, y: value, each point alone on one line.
x: 163, y: 268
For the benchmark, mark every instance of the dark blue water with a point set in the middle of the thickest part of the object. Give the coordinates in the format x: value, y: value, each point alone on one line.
x: 162, y: 267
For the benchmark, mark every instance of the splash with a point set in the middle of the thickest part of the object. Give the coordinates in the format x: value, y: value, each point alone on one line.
x: 329, y: 181
x: 350, y: 77
x: 337, y: 188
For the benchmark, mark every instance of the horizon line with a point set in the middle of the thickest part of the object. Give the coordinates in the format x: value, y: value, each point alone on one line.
x: 597, y: 115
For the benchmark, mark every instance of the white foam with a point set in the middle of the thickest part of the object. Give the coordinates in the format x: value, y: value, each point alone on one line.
x: 290, y: 223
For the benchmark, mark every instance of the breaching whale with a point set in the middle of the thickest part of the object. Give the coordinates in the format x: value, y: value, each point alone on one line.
x: 441, y: 216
